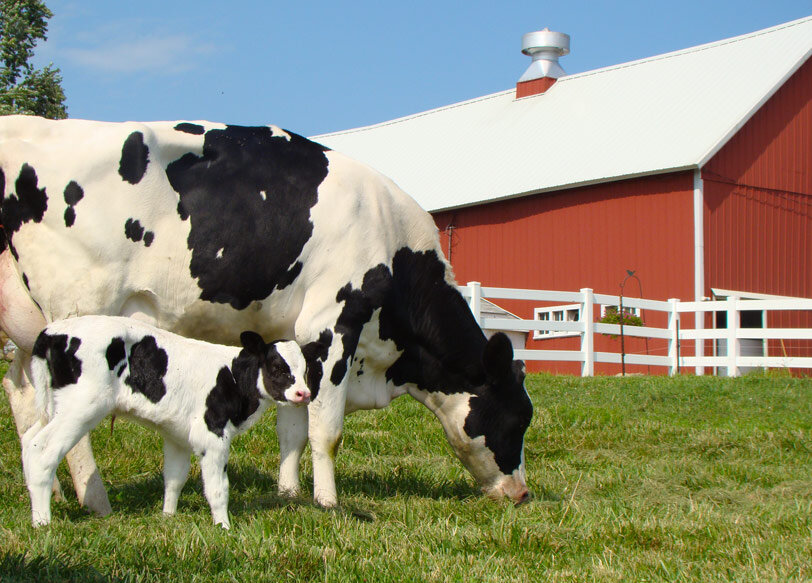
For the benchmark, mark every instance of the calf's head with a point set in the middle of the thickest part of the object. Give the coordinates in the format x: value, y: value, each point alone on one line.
x: 486, y: 427
x: 282, y: 368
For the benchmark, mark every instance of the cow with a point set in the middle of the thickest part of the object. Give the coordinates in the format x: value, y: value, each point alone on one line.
x: 198, y: 396
x: 207, y: 229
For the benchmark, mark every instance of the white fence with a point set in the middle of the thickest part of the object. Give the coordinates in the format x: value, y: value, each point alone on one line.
x: 676, y: 337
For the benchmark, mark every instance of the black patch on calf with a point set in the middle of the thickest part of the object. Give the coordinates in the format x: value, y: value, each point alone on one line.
x: 248, y: 198
x: 235, y: 396
x: 276, y: 374
x: 73, y: 194
x: 115, y: 353
x: 27, y: 203
x: 190, y: 128
x: 148, y: 364
x: 60, y: 355
x: 134, y: 158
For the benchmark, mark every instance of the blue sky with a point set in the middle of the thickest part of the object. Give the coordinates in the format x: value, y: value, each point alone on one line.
x: 315, y: 67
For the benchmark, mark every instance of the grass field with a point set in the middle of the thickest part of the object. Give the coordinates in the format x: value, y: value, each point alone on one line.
x: 636, y: 479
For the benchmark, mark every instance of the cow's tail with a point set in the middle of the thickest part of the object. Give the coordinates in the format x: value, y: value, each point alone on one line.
x: 41, y: 376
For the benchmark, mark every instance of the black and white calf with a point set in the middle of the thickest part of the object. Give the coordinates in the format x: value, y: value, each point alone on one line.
x: 197, y: 395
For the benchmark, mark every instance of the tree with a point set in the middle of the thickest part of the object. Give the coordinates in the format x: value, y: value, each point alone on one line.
x: 24, y: 89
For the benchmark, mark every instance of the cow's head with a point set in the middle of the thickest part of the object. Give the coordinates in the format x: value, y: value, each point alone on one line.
x: 486, y: 428
x: 282, y: 368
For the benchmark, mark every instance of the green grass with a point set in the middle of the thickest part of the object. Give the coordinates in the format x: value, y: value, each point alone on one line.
x: 636, y: 479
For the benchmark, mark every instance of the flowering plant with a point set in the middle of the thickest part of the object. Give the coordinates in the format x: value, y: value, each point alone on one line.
x: 612, y: 316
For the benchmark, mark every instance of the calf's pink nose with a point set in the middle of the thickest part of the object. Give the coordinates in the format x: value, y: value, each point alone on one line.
x: 301, y: 397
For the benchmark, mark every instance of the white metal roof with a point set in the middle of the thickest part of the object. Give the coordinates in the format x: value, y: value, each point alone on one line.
x: 655, y: 115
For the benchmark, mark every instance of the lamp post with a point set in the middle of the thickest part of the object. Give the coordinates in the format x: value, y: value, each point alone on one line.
x: 630, y: 273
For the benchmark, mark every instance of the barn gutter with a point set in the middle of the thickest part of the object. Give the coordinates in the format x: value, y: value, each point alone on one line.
x: 699, y: 259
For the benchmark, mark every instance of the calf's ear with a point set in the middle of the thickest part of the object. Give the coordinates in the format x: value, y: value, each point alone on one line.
x: 252, y: 342
x: 497, y: 357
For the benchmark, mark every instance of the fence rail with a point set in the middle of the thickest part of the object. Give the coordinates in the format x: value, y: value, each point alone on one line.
x: 727, y: 340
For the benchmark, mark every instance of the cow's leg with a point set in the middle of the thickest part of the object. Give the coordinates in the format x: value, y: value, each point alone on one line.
x: 215, y: 482
x: 22, y: 320
x: 291, y: 431
x: 177, y: 460
x: 326, y: 423
x: 20, y: 395
x: 87, y: 480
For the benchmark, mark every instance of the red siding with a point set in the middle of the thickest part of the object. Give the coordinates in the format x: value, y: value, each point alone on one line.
x: 584, y: 237
x: 758, y: 207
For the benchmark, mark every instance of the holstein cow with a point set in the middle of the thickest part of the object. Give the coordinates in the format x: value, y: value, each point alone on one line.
x: 197, y: 395
x: 206, y: 230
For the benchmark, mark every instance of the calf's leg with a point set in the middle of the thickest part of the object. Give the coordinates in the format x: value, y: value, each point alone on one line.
x: 291, y: 431
x: 43, y: 449
x: 177, y: 460
x: 215, y: 482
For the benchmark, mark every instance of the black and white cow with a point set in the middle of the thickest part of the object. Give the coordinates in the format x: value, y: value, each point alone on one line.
x: 206, y: 230
x: 198, y: 396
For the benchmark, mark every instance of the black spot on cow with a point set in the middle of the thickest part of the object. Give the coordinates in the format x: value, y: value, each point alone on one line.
x: 315, y: 353
x: 191, y: 128
x: 73, y: 194
x: 25, y: 282
x: 357, y: 311
x: 429, y: 320
x: 134, y: 158
x: 235, y: 396
x: 65, y: 368
x: 135, y: 232
x: 250, y: 194
x: 115, y: 352
x: 27, y: 203
x: 444, y: 350
x: 503, y: 413
x: 148, y: 364
x: 3, y: 243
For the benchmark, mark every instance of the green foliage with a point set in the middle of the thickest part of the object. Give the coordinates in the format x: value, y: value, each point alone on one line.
x: 613, y: 316
x: 24, y: 89
x: 637, y: 479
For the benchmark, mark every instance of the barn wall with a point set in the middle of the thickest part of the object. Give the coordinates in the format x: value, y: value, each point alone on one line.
x: 758, y: 207
x: 583, y: 237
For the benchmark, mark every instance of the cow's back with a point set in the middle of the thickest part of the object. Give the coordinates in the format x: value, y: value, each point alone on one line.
x: 200, y: 228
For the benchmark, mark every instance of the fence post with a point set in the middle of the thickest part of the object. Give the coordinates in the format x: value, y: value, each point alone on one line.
x: 475, y: 302
x: 674, y: 341
x: 733, y: 344
x: 588, y: 335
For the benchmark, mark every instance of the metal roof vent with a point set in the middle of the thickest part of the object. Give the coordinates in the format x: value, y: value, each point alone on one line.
x: 545, y: 47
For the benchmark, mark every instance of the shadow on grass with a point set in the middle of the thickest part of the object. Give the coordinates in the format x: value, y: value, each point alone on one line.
x: 389, y: 485
x: 16, y: 567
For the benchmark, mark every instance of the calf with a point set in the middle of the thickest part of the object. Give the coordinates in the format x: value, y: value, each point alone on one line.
x: 197, y: 395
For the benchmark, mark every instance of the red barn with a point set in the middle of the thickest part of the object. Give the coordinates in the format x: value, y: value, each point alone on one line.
x: 693, y: 168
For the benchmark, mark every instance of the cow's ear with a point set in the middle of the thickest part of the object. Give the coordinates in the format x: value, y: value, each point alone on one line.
x: 252, y: 342
x: 498, y: 357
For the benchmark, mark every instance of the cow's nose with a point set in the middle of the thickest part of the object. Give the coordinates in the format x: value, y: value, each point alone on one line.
x: 301, y: 397
x: 522, y: 497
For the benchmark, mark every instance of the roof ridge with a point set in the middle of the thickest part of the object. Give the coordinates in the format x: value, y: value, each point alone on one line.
x: 690, y: 50
x: 564, y: 79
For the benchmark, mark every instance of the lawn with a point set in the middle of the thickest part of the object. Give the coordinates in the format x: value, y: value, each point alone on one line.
x: 636, y: 479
